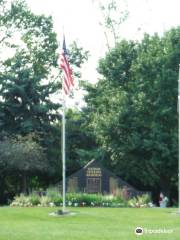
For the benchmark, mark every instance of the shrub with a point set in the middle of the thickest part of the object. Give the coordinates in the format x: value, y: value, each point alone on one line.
x: 21, y: 201
x: 57, y: 200
x: 34, y: 199
x: 140, y: 201
x: 54, y: 196
x: 84, y: 199
x: 45, y: 201
x: 52, y: 192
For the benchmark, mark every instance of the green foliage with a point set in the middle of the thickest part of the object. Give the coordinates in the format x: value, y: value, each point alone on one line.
x: 54, y: 195
x: 26, y: 78
x: 114, y: 13
x: 140, y: 201
x: 29, y: 81
x: 45, y: 201
x: 132, y: 110
x: 30, y: 76
x: 21, y: 201
x: 23, y: 156
x: 77, y: 57
x: 34, y: 199
x: 54, y: 198
x: 22, y: 153
x: 83, y: 199
x: 81, y: 145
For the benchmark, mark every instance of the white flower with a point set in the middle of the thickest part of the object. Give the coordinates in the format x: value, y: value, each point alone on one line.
x: 51, y: 204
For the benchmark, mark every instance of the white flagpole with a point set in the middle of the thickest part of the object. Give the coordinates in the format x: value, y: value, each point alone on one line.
x: 179, y: 133
x: 64, y: 150
x: 64, y: 145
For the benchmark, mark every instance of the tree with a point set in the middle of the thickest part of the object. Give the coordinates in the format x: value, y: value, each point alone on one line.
x: 114, y: 14
x: 26, y: 104
x: 132, y: 110
x: 23, y: 156
x: 30, y: 78
x: 81, y: 146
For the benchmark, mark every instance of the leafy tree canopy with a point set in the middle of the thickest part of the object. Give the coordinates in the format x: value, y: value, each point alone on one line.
x: 133, y: 109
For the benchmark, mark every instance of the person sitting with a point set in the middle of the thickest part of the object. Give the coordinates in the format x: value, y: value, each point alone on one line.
x: 163, y: 200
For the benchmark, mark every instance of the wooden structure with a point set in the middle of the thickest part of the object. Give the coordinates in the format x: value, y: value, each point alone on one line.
x: 94, y: 178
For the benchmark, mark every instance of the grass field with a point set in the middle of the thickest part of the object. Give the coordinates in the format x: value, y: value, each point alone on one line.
x: 87, y: 224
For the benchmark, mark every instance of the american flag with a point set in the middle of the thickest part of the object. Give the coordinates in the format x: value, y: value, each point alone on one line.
x: 67, y: 71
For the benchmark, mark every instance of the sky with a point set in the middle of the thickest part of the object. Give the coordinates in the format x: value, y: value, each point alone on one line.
x: 80, y: 21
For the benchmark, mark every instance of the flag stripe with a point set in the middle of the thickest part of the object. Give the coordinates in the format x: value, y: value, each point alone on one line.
x: 65, y: 90
x: 67, y: 72
x: 66, y: 83
x: 67, y: 69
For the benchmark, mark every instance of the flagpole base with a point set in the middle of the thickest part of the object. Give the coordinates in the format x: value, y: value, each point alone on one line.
x: 61, y: 213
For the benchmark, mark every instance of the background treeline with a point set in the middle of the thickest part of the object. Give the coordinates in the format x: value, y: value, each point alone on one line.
x: 132, y: 111
x: 130, y: 121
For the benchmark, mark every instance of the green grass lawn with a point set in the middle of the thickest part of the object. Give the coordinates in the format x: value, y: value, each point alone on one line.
x: 87, y: 224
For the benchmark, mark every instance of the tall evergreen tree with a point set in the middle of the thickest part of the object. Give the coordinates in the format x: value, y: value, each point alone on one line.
x: 30, y: 81
x: 26, y: 77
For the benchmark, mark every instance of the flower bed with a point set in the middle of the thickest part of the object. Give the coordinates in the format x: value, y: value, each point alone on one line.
x: 53, y: 198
